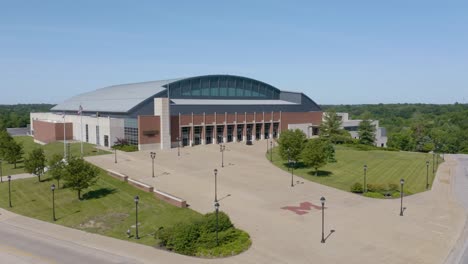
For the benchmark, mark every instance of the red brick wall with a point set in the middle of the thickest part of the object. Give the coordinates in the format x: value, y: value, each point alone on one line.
x: 298, y: 118
x: 49, y: 132
x: 174, y: 128
x: 147, y: 125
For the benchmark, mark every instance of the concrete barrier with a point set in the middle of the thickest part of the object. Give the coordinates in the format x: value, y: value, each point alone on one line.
x: 117, y: 175
x: 171, y: 199
x: 142, y: 186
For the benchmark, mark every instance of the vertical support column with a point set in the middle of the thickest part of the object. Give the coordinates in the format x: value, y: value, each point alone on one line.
x: 215, y: 130
x: 271, y: 126
x: 225, y: 128
x: 191, y: 133
x: 161, y: 109
x: 262, y: 133
x: 254, y: 127
x: 203, y: 132
x: 244, y: 129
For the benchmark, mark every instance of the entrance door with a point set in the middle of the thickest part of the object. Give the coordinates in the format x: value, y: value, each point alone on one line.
x: 230, y: 132
x: 185, y: 136
x: 197, y: 135
x: 209, y: 134
x: 219, y: 134
x: 240, y: 129
x: 106, y: 141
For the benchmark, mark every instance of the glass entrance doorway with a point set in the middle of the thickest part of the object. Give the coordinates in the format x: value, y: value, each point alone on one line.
x: 185, y: 136
x: 209, y: 134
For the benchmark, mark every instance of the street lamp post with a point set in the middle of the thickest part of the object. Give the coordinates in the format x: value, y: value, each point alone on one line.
x: 178, y: 146
x: 9, y: 190
x: 365, y: 176
x: 115, y: 155
x: 402, y: 182
x: 52, y: 187
x: 136, y: 199
x: 293, y: 163
x: 433, y: 162
x: 271, y: 150
x: 221, y: 149
x: 427, y: 174
x: 153, y: 156
x: 322, y: 200
x: 217, y: 221
x: 216, y: 184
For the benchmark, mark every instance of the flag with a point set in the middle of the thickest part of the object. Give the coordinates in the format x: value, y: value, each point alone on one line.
x: 80, y: 110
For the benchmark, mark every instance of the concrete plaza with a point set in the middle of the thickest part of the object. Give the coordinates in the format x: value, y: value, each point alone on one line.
x: 253, y: 192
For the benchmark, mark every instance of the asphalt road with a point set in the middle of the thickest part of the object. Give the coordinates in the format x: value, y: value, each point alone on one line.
x: 460, y: 188
x: 22, y: 246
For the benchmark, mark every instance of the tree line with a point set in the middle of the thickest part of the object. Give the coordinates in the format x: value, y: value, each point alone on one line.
x: 76, y: 172
x: 18, y: 115
x: 417, y: 127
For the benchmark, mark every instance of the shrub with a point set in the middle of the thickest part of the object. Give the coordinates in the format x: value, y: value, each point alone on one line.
x: 393, y: 187
x: 209, y: 222
x: 396, y: 195
x: 377, y: 187
x: 374, y: 195
x: 126, y: 148
x: 357, y: 188
x: 198, y: 237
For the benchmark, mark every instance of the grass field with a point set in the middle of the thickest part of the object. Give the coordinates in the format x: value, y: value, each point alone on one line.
x: 108, y: 207
x: 49, y: 149
x: 384, y: 167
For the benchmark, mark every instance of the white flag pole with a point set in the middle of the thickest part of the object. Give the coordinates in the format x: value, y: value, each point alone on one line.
x: 81, y: 124
x: 64, y: 138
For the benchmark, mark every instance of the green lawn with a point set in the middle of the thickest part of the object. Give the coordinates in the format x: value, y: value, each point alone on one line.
x: 384, y: 167
x: 107, y: 208
x: 49, y: 149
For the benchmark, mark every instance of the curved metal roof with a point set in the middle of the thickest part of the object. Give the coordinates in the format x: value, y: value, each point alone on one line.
x: 114, y: 99
x: 125, y: 97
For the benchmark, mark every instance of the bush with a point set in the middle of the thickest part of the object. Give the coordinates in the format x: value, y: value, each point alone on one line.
x: 393, y: 187
x: 374, y: 195
x: 377, y: 187
x: 209, y: 222
x: 396, y: 195
x: 357, y: 188
x: 126, y: 148
x: 198, y: 237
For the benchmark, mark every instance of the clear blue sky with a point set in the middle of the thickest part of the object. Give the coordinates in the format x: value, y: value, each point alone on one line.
x: 337, y: 52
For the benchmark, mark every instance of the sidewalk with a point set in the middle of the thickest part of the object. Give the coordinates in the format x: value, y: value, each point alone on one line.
x: 366, y: 230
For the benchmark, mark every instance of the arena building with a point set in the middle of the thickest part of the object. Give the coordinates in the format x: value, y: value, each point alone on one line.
x: 187, y: 111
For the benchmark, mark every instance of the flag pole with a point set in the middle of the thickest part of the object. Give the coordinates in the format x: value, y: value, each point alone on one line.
x: 64, y: 138
x: 81, y: 128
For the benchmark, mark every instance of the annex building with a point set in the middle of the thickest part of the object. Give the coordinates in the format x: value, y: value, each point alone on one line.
x: 190, y: 111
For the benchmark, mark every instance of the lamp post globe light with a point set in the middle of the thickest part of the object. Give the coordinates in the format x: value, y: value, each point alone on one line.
x: 153, y: 156
x: 402, y: 182
x: 322, y: 200
x: 136, y: 199
x: 216, y: 205
x: 221, y: 149
x: 427, y: 174
x: 365, y: 176
x: 52, y: 188
x: 9, y: 190
x: 216, y: 184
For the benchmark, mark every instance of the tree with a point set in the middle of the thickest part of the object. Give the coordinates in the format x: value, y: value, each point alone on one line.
x: 366, y: 132
x: 329, y: 150
x: 13, y: 152
x: 5, y: 139
x: 314, y: 154
x: 291, y: 143
x: 35, y: 162
x: 80, y: 174
x: 331, y: 126
x: 402, y: 140
x: 56, y: 168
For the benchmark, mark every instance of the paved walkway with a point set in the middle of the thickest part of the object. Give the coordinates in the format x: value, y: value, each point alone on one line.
x: 366, y: 230
x: 19, y: 176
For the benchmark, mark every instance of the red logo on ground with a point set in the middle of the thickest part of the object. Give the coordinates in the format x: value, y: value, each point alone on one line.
x: 303, y: 208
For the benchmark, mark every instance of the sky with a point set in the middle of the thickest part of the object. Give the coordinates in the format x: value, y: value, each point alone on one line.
x: 336, y: 52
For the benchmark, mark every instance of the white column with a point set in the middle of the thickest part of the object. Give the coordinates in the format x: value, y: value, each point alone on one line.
x: 161, y: 109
